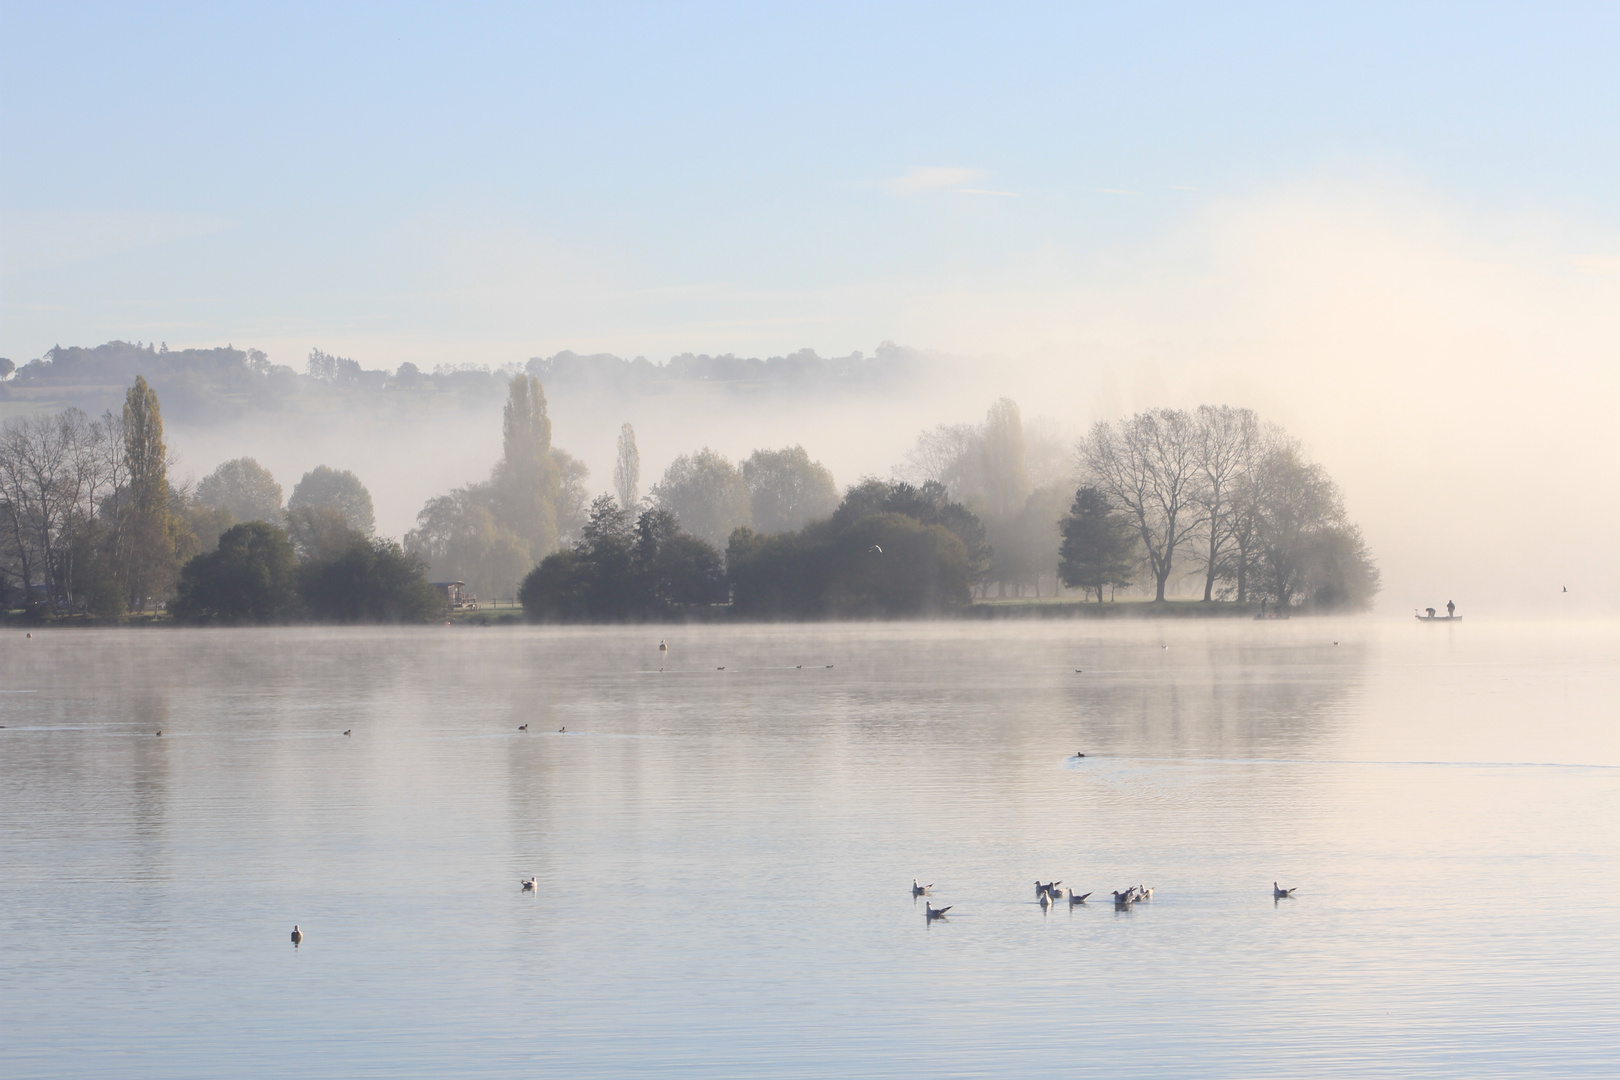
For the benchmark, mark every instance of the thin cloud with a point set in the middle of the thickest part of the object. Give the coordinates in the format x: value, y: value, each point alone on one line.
x: 938, y: 178
x: 1116, y: 191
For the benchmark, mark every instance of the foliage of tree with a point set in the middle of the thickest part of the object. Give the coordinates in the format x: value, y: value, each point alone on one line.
x: 930, y: 504
x: 319, y: 532
x: 627, y: 469
x: 525, y: 483
x: 618, y: 571
x: 371, y: 580
x: 989, y: 468
x: 251, y: 577
x: 148, y: 530
x: 889, y: 549
x: 707, y: 494
x: 244, y: 488
x: 1308, y: 551
x: 787, y: 490
x: 458, y: 536
x: 1099, y: 546
x: 490, y: 535
x: 326, y: 488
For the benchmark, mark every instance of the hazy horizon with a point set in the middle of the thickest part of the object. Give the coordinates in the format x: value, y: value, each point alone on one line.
x: 1390, y: 231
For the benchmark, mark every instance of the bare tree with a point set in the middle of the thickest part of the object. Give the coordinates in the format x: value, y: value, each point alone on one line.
x: 53, y: 472
x: 1227, y: 440
x: 946, y: 455
x: 1148, y: 466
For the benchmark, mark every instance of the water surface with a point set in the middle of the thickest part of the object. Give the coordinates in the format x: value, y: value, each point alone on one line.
x: 724, y: 856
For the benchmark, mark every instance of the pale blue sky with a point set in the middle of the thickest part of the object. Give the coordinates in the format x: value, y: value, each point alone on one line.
x: 494, y: 181
x: 1391, y: 227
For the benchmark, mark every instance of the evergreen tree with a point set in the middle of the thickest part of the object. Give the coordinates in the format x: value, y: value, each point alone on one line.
x: 1099, y: 545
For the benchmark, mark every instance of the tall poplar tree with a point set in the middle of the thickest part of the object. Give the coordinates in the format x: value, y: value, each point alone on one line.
x: 149, y: 552
x: 627, y: 470
x: 526, y: 479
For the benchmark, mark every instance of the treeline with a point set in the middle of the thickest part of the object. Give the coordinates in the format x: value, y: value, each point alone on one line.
x: 222, y: 383
x: 90, y: 524
x: 1214, y: 502
x: 887, y: 549
x: 1214, y: 498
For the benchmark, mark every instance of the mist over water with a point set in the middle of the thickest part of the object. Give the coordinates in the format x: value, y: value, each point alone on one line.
x: 724, y: 856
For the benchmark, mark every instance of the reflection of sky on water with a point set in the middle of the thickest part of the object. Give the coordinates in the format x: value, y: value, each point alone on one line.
x: 724, y: 855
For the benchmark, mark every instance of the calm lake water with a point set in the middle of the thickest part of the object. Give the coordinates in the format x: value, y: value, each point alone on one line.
x: 725, y: 856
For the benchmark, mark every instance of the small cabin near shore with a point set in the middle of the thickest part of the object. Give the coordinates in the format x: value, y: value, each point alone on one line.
x: 456, y: 596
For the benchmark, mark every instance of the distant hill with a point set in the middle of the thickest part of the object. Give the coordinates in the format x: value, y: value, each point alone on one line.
x: 202, y: 386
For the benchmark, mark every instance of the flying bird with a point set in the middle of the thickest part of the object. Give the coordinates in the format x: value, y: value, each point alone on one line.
x: 1279, y: 893
x: 875, y: 548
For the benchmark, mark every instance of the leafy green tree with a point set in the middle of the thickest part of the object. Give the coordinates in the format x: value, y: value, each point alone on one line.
x: 930, y: 504
x: 1004, y: 472
x: 787, y: 490
x: 330, y: 489
x: 889, y: 549
x: 1308, y: 550
x: 559, y: 588
x: 252, y: 577
x: 371, y: 581
x: 525, y: 484
x: 243, y: 487
x: 707, y: 495
x: 618, y: 572
x: 320, y: 532
x: 627, y: 469
x: 1098, y: 548
x: 894, y: 564
x: 675, y: 569
x: 460, y: 540
x: 148, y: 532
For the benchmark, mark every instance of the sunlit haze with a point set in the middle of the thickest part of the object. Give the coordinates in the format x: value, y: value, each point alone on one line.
x: 1392, y: 230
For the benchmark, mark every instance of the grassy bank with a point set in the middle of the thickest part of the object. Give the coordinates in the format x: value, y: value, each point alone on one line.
x: 1064, y: 607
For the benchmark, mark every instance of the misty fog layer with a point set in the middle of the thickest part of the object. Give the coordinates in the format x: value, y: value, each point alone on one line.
x: 1449, y: 369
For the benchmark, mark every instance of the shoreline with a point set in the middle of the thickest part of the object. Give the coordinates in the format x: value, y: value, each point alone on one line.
x: 983, y: 610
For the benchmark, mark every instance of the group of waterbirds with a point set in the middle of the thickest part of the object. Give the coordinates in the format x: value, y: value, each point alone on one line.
x: 930, y: 912
x: 1049, y: 893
